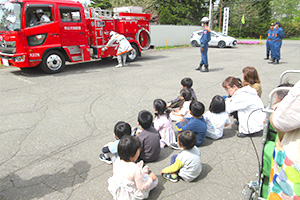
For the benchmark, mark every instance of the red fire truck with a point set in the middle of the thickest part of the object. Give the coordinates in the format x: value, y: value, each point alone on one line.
x: 48, y: 33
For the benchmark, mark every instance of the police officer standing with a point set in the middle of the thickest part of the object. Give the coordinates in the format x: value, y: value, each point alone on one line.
x: 205, y: 38
x: 269, y: 43
x: 277, y: 42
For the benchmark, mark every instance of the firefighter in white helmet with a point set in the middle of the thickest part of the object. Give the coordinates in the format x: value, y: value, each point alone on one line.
x: 123, y: 49
x: 205, y: 38
x: 42, y: 17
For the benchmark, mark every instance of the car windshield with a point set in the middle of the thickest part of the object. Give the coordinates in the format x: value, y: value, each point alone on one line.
x: 222, y: 34
x: 10, y: 16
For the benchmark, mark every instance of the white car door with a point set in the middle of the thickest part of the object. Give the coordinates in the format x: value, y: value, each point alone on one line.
x: 214, y: 39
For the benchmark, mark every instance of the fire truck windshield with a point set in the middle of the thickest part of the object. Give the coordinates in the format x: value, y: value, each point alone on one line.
x: 10, y: 14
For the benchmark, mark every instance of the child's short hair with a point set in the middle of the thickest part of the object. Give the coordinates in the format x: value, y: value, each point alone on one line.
x: 197, y: 108
x: 186, y: 94
x: 145, y: 119
x: 217, y: 104
x: 121, y: 129
x: 127, y: 147
x: 282, y: 93
x: 187, y: 139
x: 187, y: 82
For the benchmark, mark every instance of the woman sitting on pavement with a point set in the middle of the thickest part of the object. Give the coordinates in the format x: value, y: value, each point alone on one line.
x: 248, y: 105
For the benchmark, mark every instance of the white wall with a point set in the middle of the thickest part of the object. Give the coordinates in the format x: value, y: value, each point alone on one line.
x: 175, y: 34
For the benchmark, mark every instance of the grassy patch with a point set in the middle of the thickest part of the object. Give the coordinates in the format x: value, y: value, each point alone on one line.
x: 292, y: 38
x: 171, y: 47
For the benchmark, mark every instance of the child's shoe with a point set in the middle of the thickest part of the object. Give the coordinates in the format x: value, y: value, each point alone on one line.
x: 105, y: 158
x: 175, y: 146
x: 171, y: 177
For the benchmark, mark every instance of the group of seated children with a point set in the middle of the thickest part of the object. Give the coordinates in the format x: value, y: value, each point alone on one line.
x: 131, y: 179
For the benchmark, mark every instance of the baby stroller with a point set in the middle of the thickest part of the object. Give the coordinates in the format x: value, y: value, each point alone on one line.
x: 259, y: 189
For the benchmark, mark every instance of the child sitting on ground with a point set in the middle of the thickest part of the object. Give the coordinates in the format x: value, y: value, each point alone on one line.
x: 130, y: 180
x: 186, y: 83
x: 187, y: 164
x: 163, y: 123
x: 178, y: 114
x: 149, y: 138
x: 196, y: 124
x: 109, y: 151
x: 216, y: 118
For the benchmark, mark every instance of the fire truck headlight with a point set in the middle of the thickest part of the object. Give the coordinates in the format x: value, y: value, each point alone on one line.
x: 36, y: 40
x: 20, y: 58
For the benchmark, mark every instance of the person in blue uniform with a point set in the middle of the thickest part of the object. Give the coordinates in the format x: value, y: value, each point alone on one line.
x: 269, y: 43
x: 205, y: 38
x: 277, y: 42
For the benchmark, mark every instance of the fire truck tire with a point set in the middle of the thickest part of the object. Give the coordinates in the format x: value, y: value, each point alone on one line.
x: 132, y: 55
x: 53, y: 62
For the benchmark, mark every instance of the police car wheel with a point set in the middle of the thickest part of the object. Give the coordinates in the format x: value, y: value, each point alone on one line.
x: 221, y: 44
x: 53, y: 62
x: 132, y: 55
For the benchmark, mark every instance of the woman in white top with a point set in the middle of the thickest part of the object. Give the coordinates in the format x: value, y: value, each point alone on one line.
x: 216, y: 118
x: 248, y: 105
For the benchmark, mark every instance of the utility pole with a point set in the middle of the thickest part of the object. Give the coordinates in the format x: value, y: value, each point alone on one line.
x: 220, y: 16
x: 209, y: 17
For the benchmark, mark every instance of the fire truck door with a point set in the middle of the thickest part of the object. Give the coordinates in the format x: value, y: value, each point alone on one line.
x: 72, y: 27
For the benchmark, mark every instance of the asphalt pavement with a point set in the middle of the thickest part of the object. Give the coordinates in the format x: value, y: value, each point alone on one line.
x: 53, y: 127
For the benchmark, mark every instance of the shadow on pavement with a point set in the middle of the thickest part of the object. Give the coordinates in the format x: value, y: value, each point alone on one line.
x: 87, y: 67
x: 165, y: 152
x: 39, y: 186
x: 205, y: 171
x: 215, y: 69
x: 154, y: 194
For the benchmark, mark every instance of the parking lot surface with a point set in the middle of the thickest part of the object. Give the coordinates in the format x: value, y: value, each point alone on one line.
x: 53, y: 127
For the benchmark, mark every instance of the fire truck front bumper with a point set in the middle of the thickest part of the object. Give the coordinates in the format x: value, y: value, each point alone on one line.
x: 15, y: 60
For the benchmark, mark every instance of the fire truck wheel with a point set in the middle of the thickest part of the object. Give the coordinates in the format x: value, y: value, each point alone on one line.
x: 132, y: 55
x: 53, y: 62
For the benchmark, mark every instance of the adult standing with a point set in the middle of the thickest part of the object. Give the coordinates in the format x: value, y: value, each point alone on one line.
x: 248, y: 105
x: 285, y: 172
x: 205, y: 38
x: 123, y: 49
x: 277, y: 42
x: 269, y: 43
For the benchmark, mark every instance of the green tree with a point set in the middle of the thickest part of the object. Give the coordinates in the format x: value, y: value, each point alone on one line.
x: 257, y: 17
x: 181, y: 12
x: 103, y: 4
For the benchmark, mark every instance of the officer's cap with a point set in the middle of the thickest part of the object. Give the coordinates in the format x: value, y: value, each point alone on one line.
x: 272, y: 24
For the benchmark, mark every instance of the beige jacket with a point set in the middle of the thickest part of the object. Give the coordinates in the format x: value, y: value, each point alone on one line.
x: 286, y: 119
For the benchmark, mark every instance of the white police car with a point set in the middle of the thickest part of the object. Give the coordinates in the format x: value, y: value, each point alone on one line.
x: 217, y: 39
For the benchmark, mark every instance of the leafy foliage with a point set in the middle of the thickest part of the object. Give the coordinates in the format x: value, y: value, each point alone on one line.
x: 259, y: 14
x: 104, y: 4
x: 181, y: 12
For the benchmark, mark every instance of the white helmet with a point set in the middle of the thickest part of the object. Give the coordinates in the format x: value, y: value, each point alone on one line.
x: 204, y: 20
x: 39, y: 11
x: 112, y: 33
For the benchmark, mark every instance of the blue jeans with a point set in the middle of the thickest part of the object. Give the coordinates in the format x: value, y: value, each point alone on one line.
x: 173, y: 158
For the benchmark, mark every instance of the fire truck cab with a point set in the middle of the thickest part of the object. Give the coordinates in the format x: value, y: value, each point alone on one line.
x: 48, y: 33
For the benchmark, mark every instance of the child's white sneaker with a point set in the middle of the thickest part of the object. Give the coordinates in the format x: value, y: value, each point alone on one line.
x: 105, y: 158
